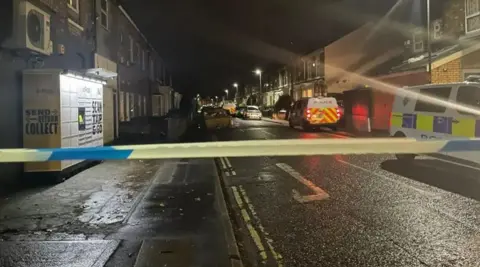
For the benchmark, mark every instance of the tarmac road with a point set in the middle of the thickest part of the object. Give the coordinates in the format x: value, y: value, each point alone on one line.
x: 363, y: 210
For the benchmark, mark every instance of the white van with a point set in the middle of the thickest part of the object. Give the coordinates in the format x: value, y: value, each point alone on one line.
x: 310, y: 113
x: 412, y: 117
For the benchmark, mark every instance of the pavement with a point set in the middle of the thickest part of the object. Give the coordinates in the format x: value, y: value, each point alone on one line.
x: 122, y: 213
x: 362, y: 210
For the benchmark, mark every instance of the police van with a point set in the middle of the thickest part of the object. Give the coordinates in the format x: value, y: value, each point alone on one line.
x: 312, y: 112
x: 438, y: 111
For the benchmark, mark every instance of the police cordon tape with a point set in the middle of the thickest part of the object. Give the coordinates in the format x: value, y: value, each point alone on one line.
x: 284, y: 147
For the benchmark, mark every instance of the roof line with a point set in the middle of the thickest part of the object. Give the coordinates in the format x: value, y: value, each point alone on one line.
x: 456, y: 55
x: 124, y: 12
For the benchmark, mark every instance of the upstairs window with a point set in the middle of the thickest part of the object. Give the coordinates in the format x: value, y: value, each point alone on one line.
x: 132, y: 58
x: 152, y: 69
x: 137, y: 53
x: 417, y: 45
x: 73, y: 5
x: 472, y: 16
x: 103, y: 13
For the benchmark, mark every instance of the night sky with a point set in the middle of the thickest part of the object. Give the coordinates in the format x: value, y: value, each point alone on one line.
x: 209, y: 44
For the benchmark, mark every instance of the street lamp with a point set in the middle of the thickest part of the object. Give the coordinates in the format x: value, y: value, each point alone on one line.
x: 429, y: 45
x: 235, y: 85
x: 259, y: 73
x: 226, y: 92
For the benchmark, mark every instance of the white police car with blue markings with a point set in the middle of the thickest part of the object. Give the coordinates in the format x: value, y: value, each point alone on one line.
x: 438, y: 111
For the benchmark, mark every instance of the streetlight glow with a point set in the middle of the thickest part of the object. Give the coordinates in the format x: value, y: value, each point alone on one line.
x: 235, y: 85
x: 259, y: 74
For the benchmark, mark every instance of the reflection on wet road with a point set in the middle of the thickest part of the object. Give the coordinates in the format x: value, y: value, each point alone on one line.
x: 362, y: 210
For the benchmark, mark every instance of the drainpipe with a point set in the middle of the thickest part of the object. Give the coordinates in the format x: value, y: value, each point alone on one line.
x: 429, y: 45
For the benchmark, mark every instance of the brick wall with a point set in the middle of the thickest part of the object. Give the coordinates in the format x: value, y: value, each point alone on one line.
x: 448, y: 73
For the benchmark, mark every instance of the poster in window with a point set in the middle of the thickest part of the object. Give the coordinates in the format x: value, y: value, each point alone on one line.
x: 81, y: 119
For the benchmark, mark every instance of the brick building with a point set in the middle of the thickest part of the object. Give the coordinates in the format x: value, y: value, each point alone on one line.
x: 454, y: 46
x: 76, y: 35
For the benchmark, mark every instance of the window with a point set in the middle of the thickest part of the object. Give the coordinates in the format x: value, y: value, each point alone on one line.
x: 122, y: 106
x: 144, y: 105
x: 73, y: 4
x: 127, y: 106
x: 152, y: 69
x: 139, y: 107
x: 468, y: 96
x: 132, y: 58
x: 137, y: 53
x: 469, y: 72
x: 472, y: 16
x: 441, y: 93
x: 131, y: 109
x: 417, y: 41
x: 104, y: 13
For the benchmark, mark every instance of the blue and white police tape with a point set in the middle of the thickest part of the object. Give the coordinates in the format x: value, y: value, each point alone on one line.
x: 283, y: 147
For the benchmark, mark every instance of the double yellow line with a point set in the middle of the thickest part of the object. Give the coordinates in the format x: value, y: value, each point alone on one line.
x: 246, y: 206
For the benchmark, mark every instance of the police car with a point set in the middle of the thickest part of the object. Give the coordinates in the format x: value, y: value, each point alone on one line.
x: 438, y: 111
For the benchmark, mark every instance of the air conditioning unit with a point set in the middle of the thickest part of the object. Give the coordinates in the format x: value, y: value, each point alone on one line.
x: 31, y: 29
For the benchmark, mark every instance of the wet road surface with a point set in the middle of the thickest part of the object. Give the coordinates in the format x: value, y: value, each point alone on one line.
x: 362, y: 210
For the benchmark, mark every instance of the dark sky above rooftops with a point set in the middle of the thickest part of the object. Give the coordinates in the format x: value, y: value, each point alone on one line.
x: 209, y: 44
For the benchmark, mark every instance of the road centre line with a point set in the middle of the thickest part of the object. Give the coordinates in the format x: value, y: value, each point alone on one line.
x: 388, y: 178
x: 320, y: 194
x: 246, y: 218
x: 277, y: 256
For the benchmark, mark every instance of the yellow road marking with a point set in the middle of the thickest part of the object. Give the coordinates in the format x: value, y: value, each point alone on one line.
x: 224, y: 167
x: 227, y: 162
x: 253, y: 233
x: 277, y: 256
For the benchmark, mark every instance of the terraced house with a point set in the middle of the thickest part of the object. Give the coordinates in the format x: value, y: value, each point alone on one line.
x: 455, y: 35
x: 303, y: 77
x: 79, y: 35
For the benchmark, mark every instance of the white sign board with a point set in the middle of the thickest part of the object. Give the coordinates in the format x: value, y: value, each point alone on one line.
x: 82, y: 113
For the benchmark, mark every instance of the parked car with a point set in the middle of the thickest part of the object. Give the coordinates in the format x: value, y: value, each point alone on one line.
x: 240, y: 112
x: 216, y: 118
x: 253, y: 112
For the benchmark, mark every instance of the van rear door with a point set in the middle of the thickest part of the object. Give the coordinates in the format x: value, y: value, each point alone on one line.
x: 322, y: 110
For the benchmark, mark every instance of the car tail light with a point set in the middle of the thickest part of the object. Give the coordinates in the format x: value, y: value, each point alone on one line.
x: 307, y: 111
x: 338, y: 112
